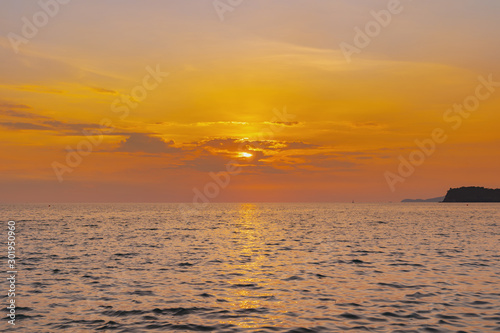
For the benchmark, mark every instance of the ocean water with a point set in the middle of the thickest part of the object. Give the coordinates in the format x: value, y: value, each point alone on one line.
x: 256, y: 268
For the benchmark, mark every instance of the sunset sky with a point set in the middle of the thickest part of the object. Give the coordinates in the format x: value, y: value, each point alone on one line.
x: 268, y: 88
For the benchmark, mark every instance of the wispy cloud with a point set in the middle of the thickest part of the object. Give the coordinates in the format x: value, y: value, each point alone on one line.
x: 32, y: 121
x: 16, y: 110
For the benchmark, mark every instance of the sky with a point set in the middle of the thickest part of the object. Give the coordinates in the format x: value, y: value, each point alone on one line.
x: 249, y: 101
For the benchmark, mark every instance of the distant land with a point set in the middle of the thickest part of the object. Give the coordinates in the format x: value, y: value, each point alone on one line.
x: 472, y: 194
x: 438, y: 199
x: 465, y: 194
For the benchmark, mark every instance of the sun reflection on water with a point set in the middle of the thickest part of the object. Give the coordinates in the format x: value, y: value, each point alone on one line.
x: 250, y: 294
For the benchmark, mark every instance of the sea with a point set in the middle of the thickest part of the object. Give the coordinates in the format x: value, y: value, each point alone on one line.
x: 296, y: 268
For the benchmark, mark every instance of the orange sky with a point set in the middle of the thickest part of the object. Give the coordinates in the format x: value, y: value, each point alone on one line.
x: 267, y: 90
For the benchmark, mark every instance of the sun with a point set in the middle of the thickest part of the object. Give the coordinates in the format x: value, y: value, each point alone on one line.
x: 245, y: 154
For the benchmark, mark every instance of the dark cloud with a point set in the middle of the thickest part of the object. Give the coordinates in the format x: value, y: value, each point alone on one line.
x: 146, y: 143
x: 48, y: 125
x: 21, y: 114
x: 23, y: 126
x: 70, y: 127
x: 16, y: 110
x: 104, y: 91
x: 10, y: 105
x: 33, y: 121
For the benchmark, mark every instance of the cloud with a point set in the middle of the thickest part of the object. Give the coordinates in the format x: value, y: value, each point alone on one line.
x: 286, y: 123
x: 70, y: 128
x: 104, y: 91
x: 234, y: 144
x: 146, y: 143
x: 214, y: 155
x: 24, y: 120
x: 23, y: 126
x: 16, y: 110
x: 299, y: 145
x: 21, y: 114
x: 10, y: 105
x: 40, y: 123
